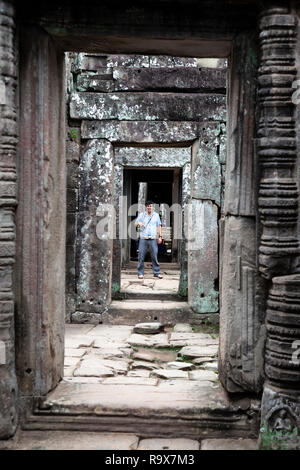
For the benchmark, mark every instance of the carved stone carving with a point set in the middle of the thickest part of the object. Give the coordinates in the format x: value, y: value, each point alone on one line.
x: 8, y: 142
x: 276, y: 144
x: 242, y: 333
x: 282, y: 356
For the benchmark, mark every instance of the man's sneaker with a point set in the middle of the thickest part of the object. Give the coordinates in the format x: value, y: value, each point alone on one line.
x: 141, y: 276
x: 159, y: 276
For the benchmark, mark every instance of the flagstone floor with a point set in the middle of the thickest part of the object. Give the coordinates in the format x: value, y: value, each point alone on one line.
x: 143, y: 355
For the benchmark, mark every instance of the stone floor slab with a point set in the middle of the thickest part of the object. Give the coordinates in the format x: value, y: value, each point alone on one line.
x: 78, y: 341
x: 175, y: 395
x: 229, y: 444
x: 159, y: 340
x: 144, y: 365
x: 170, y: 374
x: 203, y: 375
x: 147, y: 328
x: 180, y: 365
x: 71, y: 352
x: 73, y: 329
x: 91, y: 368
x: 138, y: 373
x: 125, y: 380
x: 168, y: 444
x: 198, y: 351
x: 72, y: 440
x: 183, y: 328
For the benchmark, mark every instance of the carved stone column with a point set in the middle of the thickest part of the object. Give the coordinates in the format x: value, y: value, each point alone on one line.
x: 8, y: 142
x: 276, y: 144
x: 278, y: 208
x: 281, y: 397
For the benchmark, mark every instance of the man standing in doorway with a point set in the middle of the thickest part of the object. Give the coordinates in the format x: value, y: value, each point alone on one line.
x: 150, y: 229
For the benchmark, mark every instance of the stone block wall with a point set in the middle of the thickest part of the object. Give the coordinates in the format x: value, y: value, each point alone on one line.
x: 153, y: 102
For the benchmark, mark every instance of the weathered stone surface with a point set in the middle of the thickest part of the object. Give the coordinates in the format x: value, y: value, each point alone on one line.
x: 141, y: 131
x: 71, y: 352
x: 77, y: 330
x: 168, y: 444
x: 92, y: 368
x: 182, y: 328
x: 203, y: 256
x: 130, y: 381
x: 139, y: 373
x: 206, y: 168
x: 144, y: 365
x: 148, y: 106
x: 241, y: 167
x: 111, y: 351
x: 170, y: 374
x: 71, y: 361
x: 203, y: 375
x: 147, y: 328
x: 118, y: 366
x: 229, y: 444
x: 159, y: 340
x: 198, y: 351
x: 72, y: 440
x: 163, y: 79
x: 154, y: 355
x: 210, y: 366
x: 94, y: 247
x: 115, y: 333
x: 199, y: 361
x: 180, y: 365
x: 242, y: 333
x: 153, y: 157
x: 78, y: 341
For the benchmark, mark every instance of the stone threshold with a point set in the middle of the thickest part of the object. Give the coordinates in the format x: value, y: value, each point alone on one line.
x: 130, y: 312
x: 173, y: 409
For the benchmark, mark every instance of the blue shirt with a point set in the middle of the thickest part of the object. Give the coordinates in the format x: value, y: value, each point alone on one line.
x: 150, y: 224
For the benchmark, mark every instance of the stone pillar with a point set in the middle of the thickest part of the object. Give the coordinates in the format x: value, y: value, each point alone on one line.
x: 185, y: 199
x: 117, y: 242
x: 41, y: 216
x: 278, y: 208
x: 281, y: 397
x: 203, y: 260
x: 142, y: 196
x: 242, y: 292
x: 278, y: 191
x: 96, y: 219
x: 202, y: 256
x: 8, y: 143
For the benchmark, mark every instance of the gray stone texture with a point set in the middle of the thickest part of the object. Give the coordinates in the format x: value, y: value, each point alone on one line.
x: 206, y: 169
x: 147, y: 106
x: 202, y: 228
x: 8, y: 194
x: 95, y: 225
x: 152, y: 157
x: 41, y: 217
x: 242, y: 333
x: 241, y: 169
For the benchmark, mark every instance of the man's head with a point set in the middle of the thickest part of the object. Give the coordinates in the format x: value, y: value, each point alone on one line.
x: 149, y: 206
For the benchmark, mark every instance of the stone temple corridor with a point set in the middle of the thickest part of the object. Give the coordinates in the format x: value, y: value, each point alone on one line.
x: 193, y: 106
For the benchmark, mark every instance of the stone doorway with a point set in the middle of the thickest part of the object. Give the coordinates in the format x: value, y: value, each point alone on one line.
x: 183, y: 155
x: 40, y: 273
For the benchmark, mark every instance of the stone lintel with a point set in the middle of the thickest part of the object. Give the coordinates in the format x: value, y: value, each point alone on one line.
x: 148, y: 106
x: 152, y: 157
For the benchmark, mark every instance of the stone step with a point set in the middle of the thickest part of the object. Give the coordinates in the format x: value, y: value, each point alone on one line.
x: 174, y: 408
x: 132, y: 311
x: 155, y: 295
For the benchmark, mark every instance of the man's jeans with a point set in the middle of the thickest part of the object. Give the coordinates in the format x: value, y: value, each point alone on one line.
x: 144, y: 244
